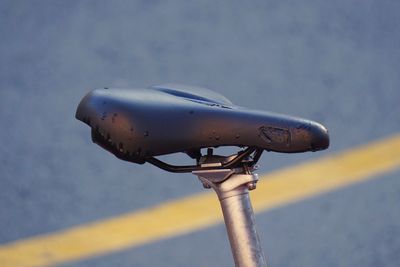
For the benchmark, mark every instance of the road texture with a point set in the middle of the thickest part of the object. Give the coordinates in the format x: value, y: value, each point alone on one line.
x: 336, y: 63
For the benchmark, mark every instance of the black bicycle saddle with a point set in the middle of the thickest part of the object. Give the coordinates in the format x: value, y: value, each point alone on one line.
x: 138, y: 124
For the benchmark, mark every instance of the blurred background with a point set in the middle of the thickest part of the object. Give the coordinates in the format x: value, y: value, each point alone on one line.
x: 336, y: 62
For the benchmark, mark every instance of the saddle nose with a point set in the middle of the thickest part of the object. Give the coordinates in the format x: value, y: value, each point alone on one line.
x: 320, y: 137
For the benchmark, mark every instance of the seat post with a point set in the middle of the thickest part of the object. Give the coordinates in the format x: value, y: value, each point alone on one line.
x: 232, y: 187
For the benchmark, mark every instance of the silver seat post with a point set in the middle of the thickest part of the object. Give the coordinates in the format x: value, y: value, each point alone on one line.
x: 232, y: 188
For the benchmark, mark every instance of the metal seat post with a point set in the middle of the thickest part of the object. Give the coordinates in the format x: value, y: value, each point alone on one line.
x: 232, y: 187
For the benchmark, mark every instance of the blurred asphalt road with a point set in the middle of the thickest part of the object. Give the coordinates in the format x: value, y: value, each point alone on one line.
x: 333, y: 62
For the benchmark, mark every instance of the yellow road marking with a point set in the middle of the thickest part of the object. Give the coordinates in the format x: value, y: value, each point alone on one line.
x: 202, y: 210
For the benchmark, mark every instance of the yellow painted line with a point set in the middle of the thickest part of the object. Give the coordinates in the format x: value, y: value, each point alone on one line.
x: 202, y: 210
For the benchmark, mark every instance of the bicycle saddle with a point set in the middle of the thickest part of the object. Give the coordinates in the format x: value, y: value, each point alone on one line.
x: 139, y: 124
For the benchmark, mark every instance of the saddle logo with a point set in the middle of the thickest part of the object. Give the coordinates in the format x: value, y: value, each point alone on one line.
x: 273, y: 135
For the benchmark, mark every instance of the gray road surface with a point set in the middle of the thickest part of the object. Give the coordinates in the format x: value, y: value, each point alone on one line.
x: 336, y: 62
